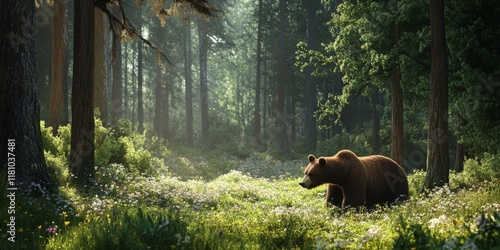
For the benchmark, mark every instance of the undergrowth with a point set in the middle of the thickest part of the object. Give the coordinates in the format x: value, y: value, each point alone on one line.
x: 146, y: 197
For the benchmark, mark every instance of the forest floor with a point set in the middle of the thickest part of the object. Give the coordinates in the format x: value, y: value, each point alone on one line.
x: 257, y: 204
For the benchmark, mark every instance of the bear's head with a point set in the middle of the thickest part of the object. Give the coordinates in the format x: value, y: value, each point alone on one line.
x: 315, y: 173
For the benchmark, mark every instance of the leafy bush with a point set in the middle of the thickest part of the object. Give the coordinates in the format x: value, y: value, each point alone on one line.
x: 476, y: 170
x: 117, y: 145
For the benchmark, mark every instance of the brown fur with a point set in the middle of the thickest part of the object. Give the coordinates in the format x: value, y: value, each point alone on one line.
x: 357, y: 181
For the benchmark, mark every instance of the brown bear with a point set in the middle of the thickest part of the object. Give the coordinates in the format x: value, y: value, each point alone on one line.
x: 357, y: 181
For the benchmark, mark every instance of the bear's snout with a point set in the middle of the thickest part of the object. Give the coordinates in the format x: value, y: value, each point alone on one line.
x: 306, y: 182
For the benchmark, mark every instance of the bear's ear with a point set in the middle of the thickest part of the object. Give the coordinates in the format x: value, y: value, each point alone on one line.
x: 322, y: 161
x: 311, y: 158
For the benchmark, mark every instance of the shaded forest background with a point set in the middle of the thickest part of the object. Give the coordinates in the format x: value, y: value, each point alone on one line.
x: 286, y: 77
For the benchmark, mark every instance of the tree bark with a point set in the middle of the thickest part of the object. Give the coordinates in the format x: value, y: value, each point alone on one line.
x: 203, y: 49
x: 59, y: 80
x: 189, y: 85
x: 281, y: 112
x: 397, y: 122
x: 19, y: 108
x: 437, y: 148
x: 82, y: 126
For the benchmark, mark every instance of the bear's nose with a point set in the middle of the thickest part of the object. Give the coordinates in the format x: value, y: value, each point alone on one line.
x: 301, y: 183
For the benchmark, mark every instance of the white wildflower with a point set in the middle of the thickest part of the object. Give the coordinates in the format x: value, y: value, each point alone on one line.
x: 96, y: 204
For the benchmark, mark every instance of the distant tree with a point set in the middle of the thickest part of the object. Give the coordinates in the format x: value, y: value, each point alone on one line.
x: 203, y: 50
x: 437, y: 149
x: 116, y: 90
x: 188, y: 84
x: 140, y: 81
x: 311, y: 90
x: 59, y: 79
x: 100, y: 88
x: 281, y: 112
x: 19, y: 107
x: 257, y: 134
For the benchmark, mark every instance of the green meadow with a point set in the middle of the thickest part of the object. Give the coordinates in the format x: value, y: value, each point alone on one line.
x: 188, y: 200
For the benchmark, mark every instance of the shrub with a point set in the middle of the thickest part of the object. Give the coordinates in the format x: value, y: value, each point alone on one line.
x: 477, y: 170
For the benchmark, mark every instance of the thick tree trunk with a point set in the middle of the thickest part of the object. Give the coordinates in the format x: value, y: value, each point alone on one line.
x: 189, y: 85
x: 82, y: 126
x: 59, y: 80
x: 397, y: 122
x: 21, y: 146
x: 281, y: 112
x: 257, y: 135
x: 203, y: 49
x: 311, y: 100
x: 437, y: 148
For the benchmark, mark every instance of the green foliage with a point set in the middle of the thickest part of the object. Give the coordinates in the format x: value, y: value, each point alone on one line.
x: 482, y: 233
x: 220, y: 201
x: 482, y: 169
x: 137, y: 228
x: 356, y: 142
x: 121, y: 144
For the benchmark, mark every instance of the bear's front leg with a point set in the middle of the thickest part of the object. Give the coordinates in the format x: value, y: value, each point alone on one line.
x: 334, y: 196
x: 354, y: 197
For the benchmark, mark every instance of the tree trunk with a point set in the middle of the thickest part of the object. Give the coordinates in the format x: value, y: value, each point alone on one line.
x: 375, y: 123
x: 116, y: 95
x: 165, y: 121
x: 461, y: 150
x: 258, y: 144
x: 59, y: 80
x: 203, y: 49
x: 157, y: 126
x: 189, y: 85
x: 126, y: 106
x: 397, y: 122
x: 140, y: 79
x: 21, y: 143
x: 82, y: 126
x: 100, y: 88
x: 281, y: 115
x: 311, y: 100
x: 437, y: 148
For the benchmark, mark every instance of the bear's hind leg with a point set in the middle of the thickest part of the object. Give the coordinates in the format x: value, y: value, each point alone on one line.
x: 334, y: 196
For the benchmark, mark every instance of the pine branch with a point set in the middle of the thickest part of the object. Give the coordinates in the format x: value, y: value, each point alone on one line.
x: 125, y: 24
